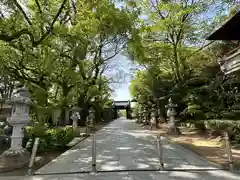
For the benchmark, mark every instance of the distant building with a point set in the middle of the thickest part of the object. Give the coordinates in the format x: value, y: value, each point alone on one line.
x: 229, y: 31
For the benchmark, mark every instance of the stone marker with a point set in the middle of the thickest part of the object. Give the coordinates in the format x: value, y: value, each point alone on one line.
x: 17, y: 156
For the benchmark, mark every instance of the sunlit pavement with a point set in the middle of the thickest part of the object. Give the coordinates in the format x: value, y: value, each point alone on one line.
x: 124, y: 145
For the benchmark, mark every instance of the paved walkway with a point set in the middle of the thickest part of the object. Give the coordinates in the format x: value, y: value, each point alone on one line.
x: 124, y: 145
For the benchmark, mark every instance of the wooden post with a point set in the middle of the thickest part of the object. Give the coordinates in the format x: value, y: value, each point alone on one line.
x: 228, y: 151
x: 94, y: 153
x: 33, y: 155
x: 160, y: 151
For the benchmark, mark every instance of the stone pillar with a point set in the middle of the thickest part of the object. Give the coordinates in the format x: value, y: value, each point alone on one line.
x: 171, y: 113
x: 17, y: 156
x: 90, y: 120
x: 75, y: 117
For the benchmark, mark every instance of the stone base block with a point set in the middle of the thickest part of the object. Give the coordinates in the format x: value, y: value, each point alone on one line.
x: 84, y: 135
x: 174, y: 131
x: 13, y: 159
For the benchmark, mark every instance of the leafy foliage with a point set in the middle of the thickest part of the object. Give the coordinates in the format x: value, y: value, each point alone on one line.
x: 62, y: 49
x: 173, y: 66
x: 50, y: 139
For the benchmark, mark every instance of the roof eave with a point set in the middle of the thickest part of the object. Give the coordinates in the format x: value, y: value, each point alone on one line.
x: 218, y: 33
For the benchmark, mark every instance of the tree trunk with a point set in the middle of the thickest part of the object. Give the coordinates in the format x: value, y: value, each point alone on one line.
x: 62, y: 116
x: 176, y: 62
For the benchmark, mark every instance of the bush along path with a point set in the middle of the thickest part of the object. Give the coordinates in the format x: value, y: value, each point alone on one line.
x: 53, y: 142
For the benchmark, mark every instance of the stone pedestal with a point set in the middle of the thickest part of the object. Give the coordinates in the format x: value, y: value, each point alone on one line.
x: 14, y: 159
x: 74, y: 121
x: 16, y: 156
x: 173, y: 131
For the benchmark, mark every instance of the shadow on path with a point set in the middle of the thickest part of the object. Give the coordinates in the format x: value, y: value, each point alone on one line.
x: 124, y: 145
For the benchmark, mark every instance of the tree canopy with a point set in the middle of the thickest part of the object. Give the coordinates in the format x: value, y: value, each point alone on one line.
x: 169, y: 47
x: 61, y: 49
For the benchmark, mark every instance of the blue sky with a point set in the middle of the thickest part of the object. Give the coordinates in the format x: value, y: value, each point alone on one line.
x: 121, y: 89
x: 122, y: 94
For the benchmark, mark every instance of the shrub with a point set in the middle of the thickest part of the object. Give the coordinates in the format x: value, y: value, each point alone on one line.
x: 209, y: 115
x: 199, y: 124
x: 35, y: 131
x: 60, y: 137
x: 220, y: 125
x: 194, y: 111
x: 50, y: 139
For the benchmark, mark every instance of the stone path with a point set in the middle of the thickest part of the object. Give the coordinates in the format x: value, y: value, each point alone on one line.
x: 124, y: 145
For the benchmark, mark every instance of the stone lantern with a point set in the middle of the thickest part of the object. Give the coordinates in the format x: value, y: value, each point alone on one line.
x: 145, y: 116
x: 75, y: 117
x: 17, y: 156
x: 90, y: 119
x: 171, y: 113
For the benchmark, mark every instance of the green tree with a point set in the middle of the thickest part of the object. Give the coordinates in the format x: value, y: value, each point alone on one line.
x: 61, y: 49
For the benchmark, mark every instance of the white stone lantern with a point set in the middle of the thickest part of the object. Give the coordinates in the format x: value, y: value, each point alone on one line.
x: 75, y: 117
x: 16, y: 155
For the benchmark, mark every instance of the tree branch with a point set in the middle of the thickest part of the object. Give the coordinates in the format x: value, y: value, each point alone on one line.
x: 74, y: 9
x: 50, y: 28
x: 184, y: 18
x: 158, y: 10
x: 115, y: 53
x: 9, y: 38
x: 22, y: 11
x: 2, y: 16
x: 39, y: 6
